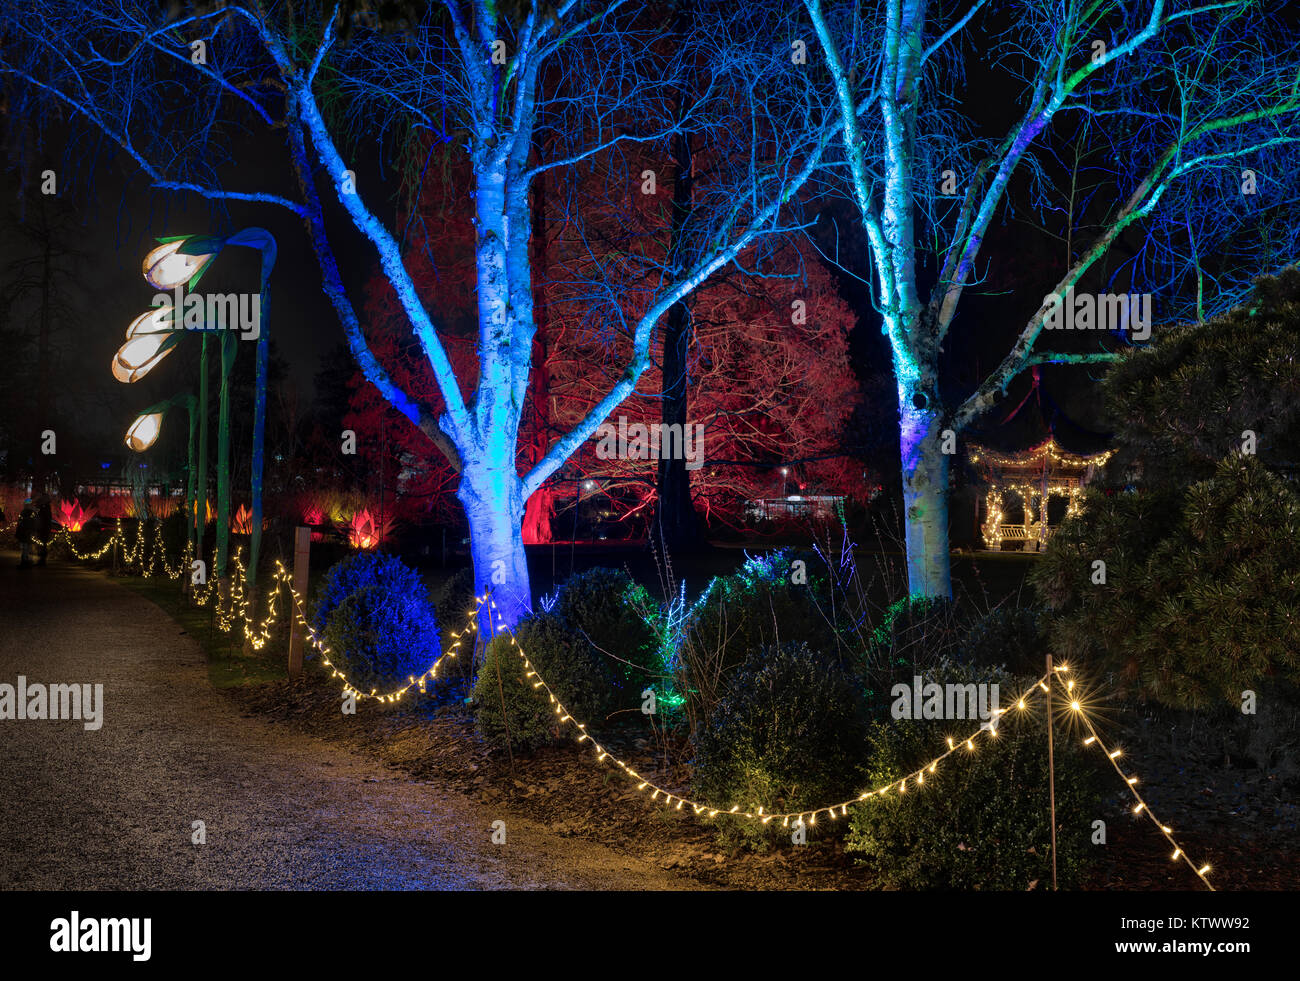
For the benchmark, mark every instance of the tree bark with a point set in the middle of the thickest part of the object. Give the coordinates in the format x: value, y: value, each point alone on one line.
x: 491, y: 493
x: 925, y: 501
x: 676, y: 525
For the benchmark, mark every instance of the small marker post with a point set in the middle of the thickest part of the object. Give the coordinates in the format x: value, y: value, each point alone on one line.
x: 301, y: 563
x: 1051, y: 766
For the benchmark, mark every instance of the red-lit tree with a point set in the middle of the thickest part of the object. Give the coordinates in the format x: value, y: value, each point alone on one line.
x: 768, y: 376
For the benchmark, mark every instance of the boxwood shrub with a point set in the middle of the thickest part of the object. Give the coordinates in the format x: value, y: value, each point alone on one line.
x: 599, y: 603
x: 379, y: 636
x: 754, y: 609
x: 790, y: 733
x: 359, y: 570
x: 981, y: 820
x: 574, y: 670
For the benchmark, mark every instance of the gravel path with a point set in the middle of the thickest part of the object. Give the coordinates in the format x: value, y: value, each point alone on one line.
x: 113, y: 808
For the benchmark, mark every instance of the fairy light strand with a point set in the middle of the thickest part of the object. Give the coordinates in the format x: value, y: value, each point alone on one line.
x: 237, y: 609
x: 1130, y: 781
x: 760, y: 815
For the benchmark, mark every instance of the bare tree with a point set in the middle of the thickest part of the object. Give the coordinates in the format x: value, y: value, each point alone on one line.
x: 1167, y: 95
x: 583, y: 78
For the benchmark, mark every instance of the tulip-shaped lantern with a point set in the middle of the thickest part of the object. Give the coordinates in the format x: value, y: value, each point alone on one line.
x: 143, y: 433
x: 160, y: 320
x: 166, y: 267
x: 138, y: 356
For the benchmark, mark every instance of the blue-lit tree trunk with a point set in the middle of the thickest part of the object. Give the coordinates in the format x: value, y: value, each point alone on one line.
x: 925, y: 501
x: 481, y: 436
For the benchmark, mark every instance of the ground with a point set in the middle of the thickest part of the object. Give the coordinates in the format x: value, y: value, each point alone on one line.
x: 113, y: 808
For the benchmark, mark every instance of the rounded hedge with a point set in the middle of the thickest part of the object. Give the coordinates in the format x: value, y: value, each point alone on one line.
x: 598, y: 603
x: 380, y: 637
x: 790, y: 733
x: 575, y: 672
x: 359, y: 570
x: 982, y: 819
x: 508, y: 711
x: 1007, y: 636
x: 755, y: 608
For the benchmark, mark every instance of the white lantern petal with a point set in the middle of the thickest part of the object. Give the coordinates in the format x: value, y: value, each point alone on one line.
x: 144, y: 431
x: 166, y: 267
x: 137, y: 357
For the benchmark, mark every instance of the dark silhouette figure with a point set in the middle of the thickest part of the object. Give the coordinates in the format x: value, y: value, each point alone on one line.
x: 44, y: 527
x: 26, y: 532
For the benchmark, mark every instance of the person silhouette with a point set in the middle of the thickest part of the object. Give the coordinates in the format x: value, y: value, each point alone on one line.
x: 26, y: 531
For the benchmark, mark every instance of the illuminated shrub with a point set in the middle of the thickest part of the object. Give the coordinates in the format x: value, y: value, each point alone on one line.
x: 607, y: 607
x: 756, y: 608
x: 917, y: 634
x: 981, y: 821
x: 576, y: 673
x: 790, y: 733
x: 375, y: 616
x: 357, y: 571
x: 455, y: 606
x: 507, y: 709
x: 915, y: 630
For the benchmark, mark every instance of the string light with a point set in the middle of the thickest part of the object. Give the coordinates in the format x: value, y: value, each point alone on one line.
x: 993, y: 529
x: 1142, y: 807
x: 259, y: 634
x: 760, y: 814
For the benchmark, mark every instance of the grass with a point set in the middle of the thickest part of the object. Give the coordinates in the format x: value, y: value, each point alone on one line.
x: 227, y: 665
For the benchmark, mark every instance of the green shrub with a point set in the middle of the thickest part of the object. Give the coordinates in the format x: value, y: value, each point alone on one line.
x: 456, y: 600
x: 575, y: 672
x: 507, y: 708
x: 915, y: 634
x: 1178, y: 403
x: 1202, y: 591
x: 1008, y: 636
x: 790, y: 734
x: 981, y: 821
x: 756, y: 608
x: 599, y: 603
x: 380, y: 636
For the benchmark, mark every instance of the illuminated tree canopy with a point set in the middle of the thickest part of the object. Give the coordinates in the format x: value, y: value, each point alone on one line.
x: 1156, y: 139
x: 581, y: 81
x: 1167, y: 104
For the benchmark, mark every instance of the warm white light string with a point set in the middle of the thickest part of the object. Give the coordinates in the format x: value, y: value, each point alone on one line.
x: 1142, y: 806
x: 259, y: 636
x: 759, y: 815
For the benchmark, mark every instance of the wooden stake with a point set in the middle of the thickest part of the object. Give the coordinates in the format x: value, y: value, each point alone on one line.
x: 1051, y: 766
x: 301, y: 562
